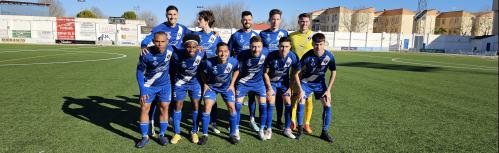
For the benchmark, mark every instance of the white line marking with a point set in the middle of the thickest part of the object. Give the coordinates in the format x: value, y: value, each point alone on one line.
x: 65, y: 62
x: 427, y: 64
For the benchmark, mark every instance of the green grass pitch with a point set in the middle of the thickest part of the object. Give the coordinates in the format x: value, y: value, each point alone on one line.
x: 84, y: 99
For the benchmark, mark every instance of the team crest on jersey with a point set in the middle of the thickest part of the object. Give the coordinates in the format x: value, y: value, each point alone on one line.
x: 312, y: 62
x: 326, y: 60
x: 197, y: 61
x: 268, y: 37
x: 228, y: 68
x: 241, y: 39
x: 184, y: 65
x: 248, y: 63
x: 154, y: 63
x: 168, y: 55
x: 212, y: 39
x: 154, y: 58
x: 288, y: 62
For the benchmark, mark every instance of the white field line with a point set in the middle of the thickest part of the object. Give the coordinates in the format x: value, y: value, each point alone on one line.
x: 64, y: 62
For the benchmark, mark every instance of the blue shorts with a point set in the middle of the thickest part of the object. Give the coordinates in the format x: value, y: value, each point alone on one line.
x: 227, y: 96
x: 163, y: 93
x: 194, y: 91
x: 317, y: 88
x: 243, y: 90
x: 279, y: 88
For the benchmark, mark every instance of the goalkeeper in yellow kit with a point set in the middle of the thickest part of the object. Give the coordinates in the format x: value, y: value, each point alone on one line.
x: 301, y: 42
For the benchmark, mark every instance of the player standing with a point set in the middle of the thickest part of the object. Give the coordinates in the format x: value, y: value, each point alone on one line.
x: 239, y: 41
x: 314, y: 64
x: 217, y: 78
x: 278, y: 82
x: 186, y: 67
x: 154, y: 81
x: 175, y: 33
x: 270, y: 39
x: 250, y: 79
x: 301, y: 42
x: 209, y: 41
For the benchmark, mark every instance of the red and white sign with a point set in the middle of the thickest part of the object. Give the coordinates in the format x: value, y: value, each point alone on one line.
x: 65, y: 28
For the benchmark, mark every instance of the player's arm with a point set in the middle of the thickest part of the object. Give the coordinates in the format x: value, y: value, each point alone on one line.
x: 332, y: 77
x: 266, y: 79
x: 141, y: 66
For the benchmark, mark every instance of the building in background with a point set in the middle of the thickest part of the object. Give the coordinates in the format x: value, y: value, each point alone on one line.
x: 342, y: 19
x: 24, y: 8
x: 482, y: 23
x: 496, y: 12
x: 394, y: 21
x: 425, y: 23
x: 455, y: 23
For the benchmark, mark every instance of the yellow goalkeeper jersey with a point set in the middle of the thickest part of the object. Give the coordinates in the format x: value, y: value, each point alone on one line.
x: 301, y: 43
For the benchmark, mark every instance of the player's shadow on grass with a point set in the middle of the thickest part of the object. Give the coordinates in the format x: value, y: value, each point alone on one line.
x: 105, y: 111
x: 390, y: 66
x: 124, y: 111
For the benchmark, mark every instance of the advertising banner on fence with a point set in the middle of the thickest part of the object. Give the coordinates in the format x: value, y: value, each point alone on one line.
x: 21, y: 34
x: 85, y: 31
x: 65, y: 28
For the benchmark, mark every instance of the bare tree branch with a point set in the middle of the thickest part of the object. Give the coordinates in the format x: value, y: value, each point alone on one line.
x: 55, y: 8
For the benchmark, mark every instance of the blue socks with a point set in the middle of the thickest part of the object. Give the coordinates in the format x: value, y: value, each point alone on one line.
x: 233, y: 123
x: 162, y: 127
x: 287, y: 116
x: 270, y: 114
x: 194, y: 121
x: 177, y: 116
x: 144, y: 129
x: 299, y: 114
x: 206, y: 122
x: 238, y: 111
x: 263, y: 115
x: 326, y: 118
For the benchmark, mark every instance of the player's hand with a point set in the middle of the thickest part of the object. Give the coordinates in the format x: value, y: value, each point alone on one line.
x: 301, y: 94
x: 270, y: 92
x: 326, y: 95
x: 288, y: 92
x: 205, y: 88
x: 144, y: 51
x: 143, y: 99
x: 232, y: 89
x: 216, y: 33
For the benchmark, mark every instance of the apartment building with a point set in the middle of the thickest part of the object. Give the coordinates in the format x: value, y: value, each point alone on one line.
x: 394, y: 21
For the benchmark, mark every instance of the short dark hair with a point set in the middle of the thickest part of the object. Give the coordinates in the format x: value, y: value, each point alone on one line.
x: 318, y: 37
x: 274, y: 12
x: 161, y: 33
x: 188, y: 37
x: 171, y: 7
x: 246, y: 13
x: 220, y: 44
x: 304, y: 15
x: 208, y: 16
x: 255, y: 39
x: 284, y: 39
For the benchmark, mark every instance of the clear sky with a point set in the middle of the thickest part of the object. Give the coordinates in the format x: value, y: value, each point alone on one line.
x: 260, y: 8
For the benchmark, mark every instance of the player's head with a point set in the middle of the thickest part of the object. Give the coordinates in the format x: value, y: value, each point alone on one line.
x: 304, y: 21
x: 223, y: 51
x: 246, y: 19
x: 206, y: 19
x: 284, y: 45
x: 191, y: 43
x: 256, y: 45
x: 172, y: 14
x: 275, y: 18
x: 160, y: 40
x: 319, y: 42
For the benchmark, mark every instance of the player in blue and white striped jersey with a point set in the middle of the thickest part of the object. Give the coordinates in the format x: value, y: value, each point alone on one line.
x: 218, y: 79
x: 250, y: 78
x: 154, y: 81
x: 186, y: 68
x: 239, y: 41
x: 278, y: 82
x: 314, y: 65
x: 271, y: 39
